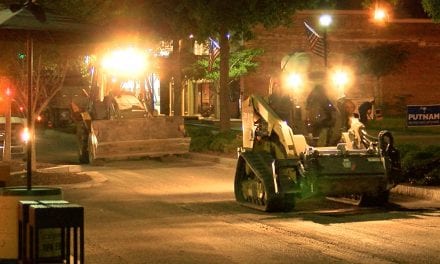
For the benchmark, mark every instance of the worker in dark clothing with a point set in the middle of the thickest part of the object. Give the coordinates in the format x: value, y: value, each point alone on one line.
x: 281, y: 103
x: 322, y: 116
x: 365, y: 110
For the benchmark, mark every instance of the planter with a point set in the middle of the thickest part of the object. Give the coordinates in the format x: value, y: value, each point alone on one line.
x: 9, y: 199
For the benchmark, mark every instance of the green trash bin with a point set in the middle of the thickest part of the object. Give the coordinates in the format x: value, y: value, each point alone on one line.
x: 9, y: 216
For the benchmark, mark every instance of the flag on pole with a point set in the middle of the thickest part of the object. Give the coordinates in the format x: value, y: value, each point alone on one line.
x: 316, y: 42
x: 214, y: 52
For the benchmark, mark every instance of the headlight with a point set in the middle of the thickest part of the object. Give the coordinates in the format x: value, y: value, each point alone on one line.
x: 25, y: 135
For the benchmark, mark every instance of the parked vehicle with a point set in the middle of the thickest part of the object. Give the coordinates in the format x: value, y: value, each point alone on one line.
x: 18, y: 131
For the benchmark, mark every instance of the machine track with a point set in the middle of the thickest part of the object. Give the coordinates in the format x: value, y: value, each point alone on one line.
x: 255, y: 185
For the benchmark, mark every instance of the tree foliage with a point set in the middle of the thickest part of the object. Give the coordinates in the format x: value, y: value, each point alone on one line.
x: 432, y: 8
x: 229, y: 20
x: 242, y: 62
x: 101, y: 12
x: 381, y: 60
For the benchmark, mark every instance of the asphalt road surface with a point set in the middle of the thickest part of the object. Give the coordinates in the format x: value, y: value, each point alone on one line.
x: 176, y: 210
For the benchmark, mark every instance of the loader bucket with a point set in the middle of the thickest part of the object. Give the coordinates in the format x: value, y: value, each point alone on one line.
x: 137, y: 137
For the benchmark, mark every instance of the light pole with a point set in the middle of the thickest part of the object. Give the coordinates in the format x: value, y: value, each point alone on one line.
x: 325, y: 21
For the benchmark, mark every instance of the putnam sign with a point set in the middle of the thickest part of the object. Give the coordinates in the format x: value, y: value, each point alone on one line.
x: 423, y: 115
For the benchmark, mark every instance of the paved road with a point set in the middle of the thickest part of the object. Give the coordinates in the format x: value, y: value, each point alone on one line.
x: 183, y: 211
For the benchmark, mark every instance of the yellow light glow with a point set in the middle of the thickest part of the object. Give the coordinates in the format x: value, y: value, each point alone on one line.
x: 325, y: 20
x: 340, y: 78
x: 380, y: 14
x: 294, y: 80
x: 25, y: 135
x: 125, y: 62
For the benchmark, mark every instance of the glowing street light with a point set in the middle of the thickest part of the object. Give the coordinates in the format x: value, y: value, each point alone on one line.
x: 380, y: 15
x: 325, y: 21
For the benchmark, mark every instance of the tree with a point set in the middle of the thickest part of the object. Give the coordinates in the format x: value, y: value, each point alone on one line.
x: 169, y: 20
x: 380, y: 61
x: 242, y: 62
x: 432, y: 8
x: 50, y: 67
x: 229, y: 20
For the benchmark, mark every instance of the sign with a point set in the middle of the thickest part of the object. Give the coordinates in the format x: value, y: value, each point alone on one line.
x: 423, y: 115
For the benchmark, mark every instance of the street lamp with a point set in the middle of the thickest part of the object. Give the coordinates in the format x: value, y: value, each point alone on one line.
x: 325, y: 20
x: 380, y: 15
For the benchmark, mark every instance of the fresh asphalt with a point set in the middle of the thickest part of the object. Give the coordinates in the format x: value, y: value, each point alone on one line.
x: 422, y: 192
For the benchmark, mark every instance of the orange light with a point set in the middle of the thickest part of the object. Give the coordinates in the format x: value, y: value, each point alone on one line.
x: 125, y: 62
x: 39, y: 118
x: 380, y: 14
x: 25, y: 135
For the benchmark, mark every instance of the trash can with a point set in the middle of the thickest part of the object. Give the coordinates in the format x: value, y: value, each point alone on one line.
x: 9, y: 205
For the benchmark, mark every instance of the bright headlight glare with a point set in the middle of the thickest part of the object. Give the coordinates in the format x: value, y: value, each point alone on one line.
x: 25, y: 135
x: 127, y: 62
x: 294, y: 79
x: 340, y: 78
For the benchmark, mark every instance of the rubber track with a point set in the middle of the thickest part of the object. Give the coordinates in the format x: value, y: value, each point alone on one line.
x: 260, y: 164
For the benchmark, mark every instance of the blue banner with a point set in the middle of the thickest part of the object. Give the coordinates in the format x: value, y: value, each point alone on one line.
x: 423, y: 115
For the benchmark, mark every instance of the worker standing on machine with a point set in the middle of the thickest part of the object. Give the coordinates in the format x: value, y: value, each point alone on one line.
x: 280, y: 102
x: 365, y: 112
x: 322, y: 116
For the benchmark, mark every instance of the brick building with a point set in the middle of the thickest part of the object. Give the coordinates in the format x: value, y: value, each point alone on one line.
x: 416, y: 82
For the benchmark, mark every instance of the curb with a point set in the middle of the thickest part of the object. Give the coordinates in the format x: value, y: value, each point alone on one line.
x: 211, y: 158
x: 63, y: 169
x: 426, y: 192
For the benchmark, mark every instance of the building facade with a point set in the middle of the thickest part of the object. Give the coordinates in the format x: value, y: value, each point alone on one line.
x: 417, y: 81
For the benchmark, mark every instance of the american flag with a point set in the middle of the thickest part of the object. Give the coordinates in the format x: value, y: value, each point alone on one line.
x: 214, y: 52
x: 316, y: 42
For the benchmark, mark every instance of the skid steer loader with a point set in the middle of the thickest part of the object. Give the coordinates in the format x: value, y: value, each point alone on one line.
x: 275, y: 166
x: 119, y: 122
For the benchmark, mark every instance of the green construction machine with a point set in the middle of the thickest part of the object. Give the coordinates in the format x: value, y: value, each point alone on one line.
x: 276, y: 167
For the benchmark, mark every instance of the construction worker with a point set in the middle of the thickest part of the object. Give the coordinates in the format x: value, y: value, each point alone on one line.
x: 280, y: 101
x: 365, y: 111
x: 321, y: 115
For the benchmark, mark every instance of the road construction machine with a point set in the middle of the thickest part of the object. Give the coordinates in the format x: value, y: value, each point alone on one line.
x: 299, y: 143
x: 119, y: 121
x: 276, y: 167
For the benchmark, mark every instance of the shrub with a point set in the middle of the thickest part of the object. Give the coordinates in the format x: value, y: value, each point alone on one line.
x: 209, y: 139
x: 420, y: 165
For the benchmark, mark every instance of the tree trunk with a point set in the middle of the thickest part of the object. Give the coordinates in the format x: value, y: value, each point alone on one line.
x: 177, y: 74
x: 378, y: 93
x: 224, y: 78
